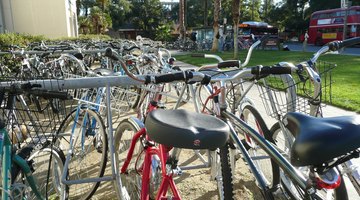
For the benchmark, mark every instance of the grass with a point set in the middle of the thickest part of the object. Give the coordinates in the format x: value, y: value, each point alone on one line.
x: 346, y: 76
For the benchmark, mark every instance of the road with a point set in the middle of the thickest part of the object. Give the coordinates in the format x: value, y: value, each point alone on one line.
x: 312, y: 48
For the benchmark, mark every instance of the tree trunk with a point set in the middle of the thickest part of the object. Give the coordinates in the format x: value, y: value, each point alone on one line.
x: 236, y: 16
x: 217, y: 6
x: 206, y: 8
x: 182, y: 28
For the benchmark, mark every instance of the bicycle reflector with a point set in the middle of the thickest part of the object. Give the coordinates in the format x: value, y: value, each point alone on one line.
x: 329, y: 180
x: 129, y: 62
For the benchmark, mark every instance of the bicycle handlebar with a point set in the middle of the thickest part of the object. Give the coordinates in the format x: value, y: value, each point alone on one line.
x: 110, y: 53
x: 187, y: 76
x: 28, y: 88
x: 336, y: 45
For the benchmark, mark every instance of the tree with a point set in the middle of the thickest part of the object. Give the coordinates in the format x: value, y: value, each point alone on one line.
x: 85, y: 6
x: 100, y: 20
x: 147, y: 15
x: 250, y: 10
x: 118, y: 11
x: 235, y: 18
x: 103, y: 4
x: 85, y: 25
x: 217, y: 6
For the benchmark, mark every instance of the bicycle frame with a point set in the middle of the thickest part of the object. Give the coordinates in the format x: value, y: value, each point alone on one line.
x: 274, y: 153
x: 162, y: 152
x: 7, y: 158
x: 151, y: 150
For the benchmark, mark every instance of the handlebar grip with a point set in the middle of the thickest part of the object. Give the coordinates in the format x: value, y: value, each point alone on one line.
x: 111, y: 54
x: 266, y: 70
x: 229, y: 63
x: 199, y: 55
x: 166, y: 78
x: 336, y: 45
x: 51, y: 94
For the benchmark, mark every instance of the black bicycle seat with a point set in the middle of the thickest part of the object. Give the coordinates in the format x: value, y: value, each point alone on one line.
x: 319, y: 140
x: 184, y: 129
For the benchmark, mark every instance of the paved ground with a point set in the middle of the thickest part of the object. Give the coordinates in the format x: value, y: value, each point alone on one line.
x: 312, y: 48
x: 329, y: 111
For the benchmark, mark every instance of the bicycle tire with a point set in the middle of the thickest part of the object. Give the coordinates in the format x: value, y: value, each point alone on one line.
x: 131, y: 180
x: 89, y: 158
x: 225, y: 185
x: 271, y: 174
x: 289, y: 187
x: 48, y: 185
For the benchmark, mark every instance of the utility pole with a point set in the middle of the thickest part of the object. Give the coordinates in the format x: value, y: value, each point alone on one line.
x: 345, y: 4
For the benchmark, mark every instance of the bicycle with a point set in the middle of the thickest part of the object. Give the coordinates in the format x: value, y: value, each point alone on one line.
x: 314, y: 88
x: 263, y: 141
x: 26, y: 172
x: 153, y: 162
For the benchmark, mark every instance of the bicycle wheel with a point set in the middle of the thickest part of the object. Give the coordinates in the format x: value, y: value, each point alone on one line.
x: 90, y: 148
x: 131, y: 180
x: 46, y: 174
x: 284, y: 140
x: 179, y: 86
x: 268, y: 169
x: 225, y: 181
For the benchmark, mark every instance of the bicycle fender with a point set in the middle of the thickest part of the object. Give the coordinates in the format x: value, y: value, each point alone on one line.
x: 136, y: 122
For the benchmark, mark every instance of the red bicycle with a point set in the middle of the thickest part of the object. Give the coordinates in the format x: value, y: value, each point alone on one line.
x: 147, y: 166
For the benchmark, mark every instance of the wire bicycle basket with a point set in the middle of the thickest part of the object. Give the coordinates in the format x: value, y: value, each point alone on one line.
x: 281, y: 94
x: 31, y: 119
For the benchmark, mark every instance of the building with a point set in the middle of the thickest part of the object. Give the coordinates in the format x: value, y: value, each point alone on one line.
x: 51, y: 18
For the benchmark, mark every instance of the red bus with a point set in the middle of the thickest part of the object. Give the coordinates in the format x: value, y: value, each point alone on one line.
x: 327, y: 25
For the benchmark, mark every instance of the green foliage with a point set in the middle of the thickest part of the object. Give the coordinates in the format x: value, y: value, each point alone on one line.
x: 163, y: 32
x: 19, y: 39
x: 118, y: 11
x: 84, y: 37
x: 147, y: 15
x: 250, y: 10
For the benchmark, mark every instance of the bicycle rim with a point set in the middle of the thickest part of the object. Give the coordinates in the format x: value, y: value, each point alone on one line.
x: 47, y: 174
x: 89, y: 156
x: 267, y: 168
x: 131, y: 180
